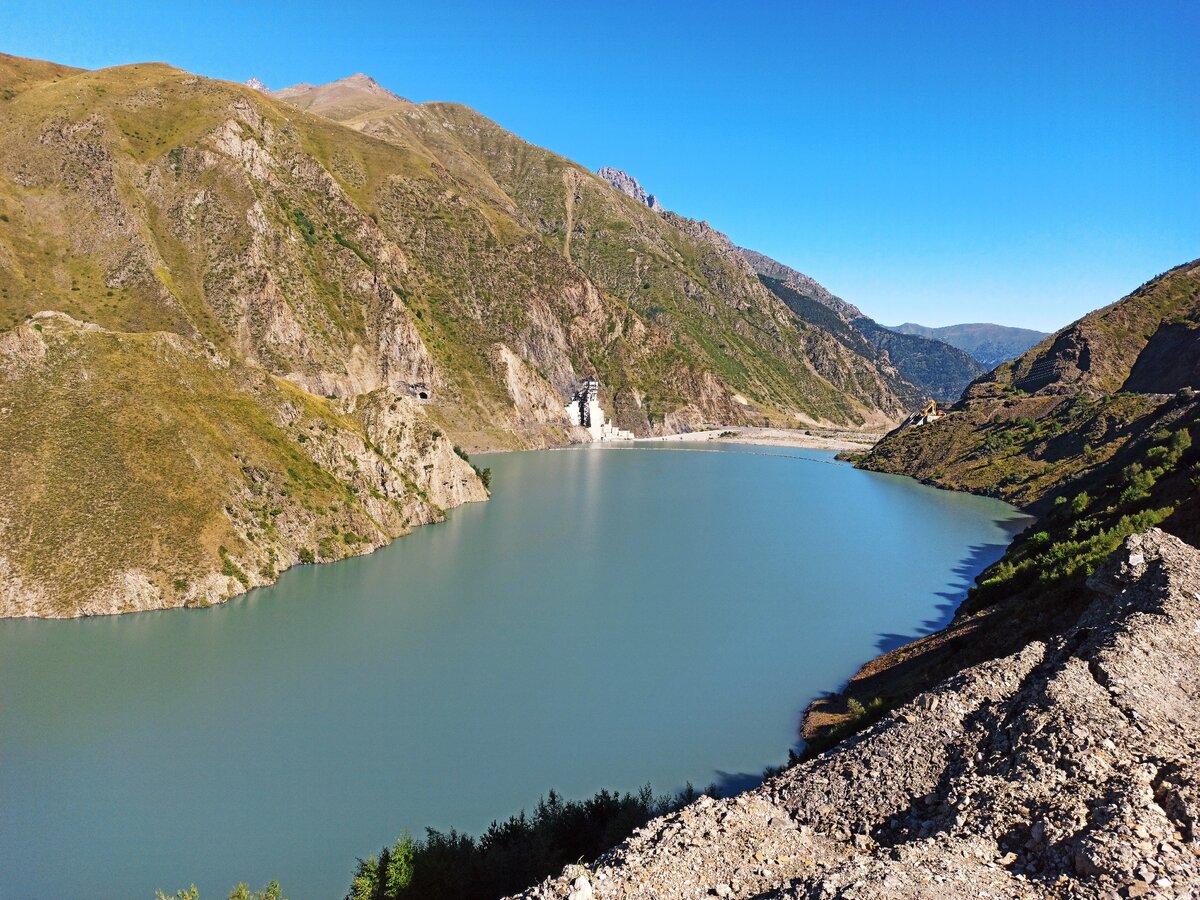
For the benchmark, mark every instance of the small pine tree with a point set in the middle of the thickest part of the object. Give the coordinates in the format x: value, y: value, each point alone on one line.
x: 399, y: 871
x: 365, y: 885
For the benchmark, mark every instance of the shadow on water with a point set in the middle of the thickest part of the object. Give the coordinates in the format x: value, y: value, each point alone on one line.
x: 963, y: 575
x: 978, y: 558
x: 730, y: 783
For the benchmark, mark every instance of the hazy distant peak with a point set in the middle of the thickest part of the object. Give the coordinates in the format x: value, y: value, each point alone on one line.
x: 990, y: 344
x: 627, y: 184
x: 257, y: 85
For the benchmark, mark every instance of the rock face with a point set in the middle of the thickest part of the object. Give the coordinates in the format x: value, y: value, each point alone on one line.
x: 161, y: 473
x: 627, y: 184
x: 1068, y: 769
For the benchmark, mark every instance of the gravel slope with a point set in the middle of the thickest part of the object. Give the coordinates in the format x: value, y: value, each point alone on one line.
x: 1068, y: 769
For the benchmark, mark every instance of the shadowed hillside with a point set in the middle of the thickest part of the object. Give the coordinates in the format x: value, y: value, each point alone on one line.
x: 990, y: 344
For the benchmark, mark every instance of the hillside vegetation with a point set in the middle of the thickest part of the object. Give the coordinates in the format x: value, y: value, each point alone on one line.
x: 1097, y: 431
x: 680, y: 277
x: 916, y: 367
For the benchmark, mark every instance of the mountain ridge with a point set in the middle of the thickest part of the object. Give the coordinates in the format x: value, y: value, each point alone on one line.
x: 931, y: 366
x: 990, y: 344
x: 916, y: 366
x: 1059, y: 432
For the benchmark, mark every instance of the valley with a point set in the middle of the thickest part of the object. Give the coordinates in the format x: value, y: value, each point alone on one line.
x: 673, y: 512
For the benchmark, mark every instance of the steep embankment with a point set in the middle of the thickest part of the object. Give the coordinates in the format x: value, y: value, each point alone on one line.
x: 144, y: 470
x: 1069, y: 768
x: 1061, y: 432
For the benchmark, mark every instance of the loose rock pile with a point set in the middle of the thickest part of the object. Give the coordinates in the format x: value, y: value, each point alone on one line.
x: 1066, y: 770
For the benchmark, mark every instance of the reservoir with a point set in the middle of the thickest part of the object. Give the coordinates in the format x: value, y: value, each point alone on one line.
x: 612, y: 616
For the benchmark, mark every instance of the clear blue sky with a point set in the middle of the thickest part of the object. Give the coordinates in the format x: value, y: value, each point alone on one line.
x: 936, y: 162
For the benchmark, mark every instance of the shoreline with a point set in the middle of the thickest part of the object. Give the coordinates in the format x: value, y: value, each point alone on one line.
x: 808, y: 438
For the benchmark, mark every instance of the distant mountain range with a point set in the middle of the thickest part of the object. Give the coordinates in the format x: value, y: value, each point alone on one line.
x: 989, y: 344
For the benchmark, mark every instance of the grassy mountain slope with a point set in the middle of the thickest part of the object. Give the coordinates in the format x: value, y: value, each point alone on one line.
x: 1061, y: 431
x: 989, y: 344
x: 144, y: 470
x: 1065, y: 407
x: 681, y: 276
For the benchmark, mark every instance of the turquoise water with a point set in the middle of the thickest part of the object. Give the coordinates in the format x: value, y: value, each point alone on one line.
x: 611, y: 617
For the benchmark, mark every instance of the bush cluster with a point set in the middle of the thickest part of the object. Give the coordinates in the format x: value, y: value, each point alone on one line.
x: 510, y: 855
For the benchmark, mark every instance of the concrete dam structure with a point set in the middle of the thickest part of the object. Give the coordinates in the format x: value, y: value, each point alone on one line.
x: 584, y: 410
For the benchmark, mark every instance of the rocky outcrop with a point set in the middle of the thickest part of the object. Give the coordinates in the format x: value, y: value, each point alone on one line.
x: 148, y: 471
x: 1067, y: 769
x: 627, y: 184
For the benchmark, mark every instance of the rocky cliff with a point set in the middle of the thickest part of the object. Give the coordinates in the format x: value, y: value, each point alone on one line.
x: 1070, y: 768
x: 147, y: 470
x: 627, y: 184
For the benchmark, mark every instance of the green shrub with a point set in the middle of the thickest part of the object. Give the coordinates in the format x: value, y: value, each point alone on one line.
x: 510, y: 855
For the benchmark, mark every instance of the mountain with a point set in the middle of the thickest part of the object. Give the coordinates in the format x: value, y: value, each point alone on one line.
x: 913, y: 368
x: 242, y: 330
x: 1023, y: 428
x: 990, y: 344
x: 341, y: 99
x: 682, y: 276
x: 933, y: 367
x: 939, y: 369
x: 800, y: 284
x: 1096, y: 430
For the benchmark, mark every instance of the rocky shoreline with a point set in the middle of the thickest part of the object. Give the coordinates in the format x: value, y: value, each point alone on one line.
x: 1067, y: 769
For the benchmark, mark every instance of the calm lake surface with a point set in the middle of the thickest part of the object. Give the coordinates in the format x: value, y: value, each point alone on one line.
x: 612, y: 617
